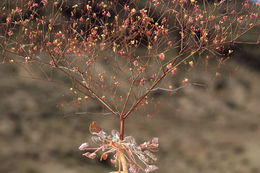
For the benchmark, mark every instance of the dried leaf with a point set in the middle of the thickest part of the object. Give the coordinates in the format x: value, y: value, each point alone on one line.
x: 155, y: 140
x: 153, y: 148
x: 152, y: 157
x: 103, y: 156
x: 97, y: 140
x: 94, y: 128
x: 90, y: 155
x: 150, y: 168
x: 114, y: 162
x: 115, y: 135
x: 130, y: 140
x: 83, y: 146
x: 134, y: 169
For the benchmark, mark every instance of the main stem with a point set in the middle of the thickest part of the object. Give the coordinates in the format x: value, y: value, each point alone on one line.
x: 122, y: 127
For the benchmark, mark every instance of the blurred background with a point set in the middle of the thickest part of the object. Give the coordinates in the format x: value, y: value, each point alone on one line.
x: 210, y: 126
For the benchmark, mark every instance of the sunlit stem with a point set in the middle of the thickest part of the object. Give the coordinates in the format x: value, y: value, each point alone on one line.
x: 122, y: 160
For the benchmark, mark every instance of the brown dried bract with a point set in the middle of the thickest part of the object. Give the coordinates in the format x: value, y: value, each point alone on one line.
x: 94, y: 128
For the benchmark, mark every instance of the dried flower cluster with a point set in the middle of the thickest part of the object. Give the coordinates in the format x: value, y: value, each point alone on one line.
x: 124, y: 151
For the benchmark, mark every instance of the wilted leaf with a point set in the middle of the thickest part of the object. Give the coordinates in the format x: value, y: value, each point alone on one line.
x: 150, y: 168
x: 151, y: 156
x: 104, y: 156
x: 134, y: 169
x: 94, y: 128
x: 83, y: 146
x: 90, y: 155
x: 97, y: 140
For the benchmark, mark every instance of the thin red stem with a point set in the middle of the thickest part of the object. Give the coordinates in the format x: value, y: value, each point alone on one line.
x: 129, y: 93
x: 86, y: 87
x: 156, y: 83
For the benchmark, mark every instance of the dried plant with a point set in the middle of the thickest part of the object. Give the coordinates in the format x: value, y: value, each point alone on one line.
x: 119, y: 52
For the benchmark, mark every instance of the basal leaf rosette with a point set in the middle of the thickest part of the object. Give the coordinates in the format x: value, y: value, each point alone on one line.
x: 127, y: 155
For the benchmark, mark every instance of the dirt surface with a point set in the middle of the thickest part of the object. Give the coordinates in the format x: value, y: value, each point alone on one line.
x: 212, y: 129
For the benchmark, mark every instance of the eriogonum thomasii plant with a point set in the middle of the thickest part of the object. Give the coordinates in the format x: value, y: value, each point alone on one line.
x: 118, y: 52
